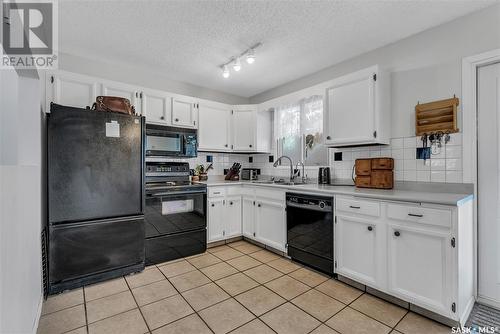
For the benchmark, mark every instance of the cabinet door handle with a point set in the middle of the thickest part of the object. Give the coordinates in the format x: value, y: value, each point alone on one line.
x: 258, y: 205
x: 328, y: 137
x: 354, y: 207
x: 415, y: 215
x: 213, y: 204
x: 254, y: 234
x: 226, y: 145
x: 230, y: 203
x: 250, y: 145
x: 162, y: 117
x: 370, y: 228
x: 177, y: 120
x: 397, y: 233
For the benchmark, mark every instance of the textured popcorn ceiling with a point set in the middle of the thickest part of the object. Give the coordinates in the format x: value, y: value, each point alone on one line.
x: 187, y: 40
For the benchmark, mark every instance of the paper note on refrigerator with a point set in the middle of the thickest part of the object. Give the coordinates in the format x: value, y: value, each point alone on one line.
x: 113, y: 129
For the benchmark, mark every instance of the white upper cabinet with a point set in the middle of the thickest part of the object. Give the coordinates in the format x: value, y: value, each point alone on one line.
x: 251, y: 129
x: 358, y: 109
x: 184, y: 112
x: 156, y: 106
x: 111, y: 88
x: 214, y: 128
x: 244, y: 128
x: 70, y: 89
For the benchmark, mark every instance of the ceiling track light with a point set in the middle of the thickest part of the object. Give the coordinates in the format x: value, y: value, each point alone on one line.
x: 235, y: 61
x: 225, y: 71
x: 237, y: 65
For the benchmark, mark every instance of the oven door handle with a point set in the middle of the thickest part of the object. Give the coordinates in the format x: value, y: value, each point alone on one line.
x: 175, y: 193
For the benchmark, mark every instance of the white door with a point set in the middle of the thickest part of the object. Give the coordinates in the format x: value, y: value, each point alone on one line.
x: 216, y: 219
x: 184, y: 111
x: 356, y: 249
x: 248, y: 216
x: 488, y: 186
x: 270, y: 223
x: 244, y: 123
x: 156, y: 106
x: 419, y: 267
x: 121, y: 90
x: 214, y: 128
x: 351, y: 110
x: 233, y: 216
x: 71, y: 90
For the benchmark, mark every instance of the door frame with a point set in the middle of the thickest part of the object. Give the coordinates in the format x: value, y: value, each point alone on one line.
x: 470, y: 66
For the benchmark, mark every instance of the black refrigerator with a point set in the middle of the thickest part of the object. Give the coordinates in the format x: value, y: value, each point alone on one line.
x: 95, y: 185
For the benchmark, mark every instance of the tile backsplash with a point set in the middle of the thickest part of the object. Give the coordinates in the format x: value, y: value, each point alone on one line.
x: 443, y: 167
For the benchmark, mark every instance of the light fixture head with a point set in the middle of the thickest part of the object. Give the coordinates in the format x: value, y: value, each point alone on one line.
x: 237, y: 65
x: 225, y: 72
x: 251, y: 56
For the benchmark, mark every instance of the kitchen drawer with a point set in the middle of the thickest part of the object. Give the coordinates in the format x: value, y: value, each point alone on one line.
x: 359, y: 206
x: 421, y: 215
x: 216, y: 191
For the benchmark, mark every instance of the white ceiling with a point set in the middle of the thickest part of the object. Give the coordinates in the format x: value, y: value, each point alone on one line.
x: 187, y: 40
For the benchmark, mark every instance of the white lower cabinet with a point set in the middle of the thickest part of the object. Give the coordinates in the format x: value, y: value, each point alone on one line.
x: 216, y: 219
x: 255, y: 213
x: 270, y: 223
x: 248, y: 216
x: 357, y: 248
x: 233, y: 216
x: 420, y: 266
x: 419, y: 253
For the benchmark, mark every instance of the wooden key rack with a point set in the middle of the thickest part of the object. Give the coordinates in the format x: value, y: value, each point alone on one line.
x: 437, y: 116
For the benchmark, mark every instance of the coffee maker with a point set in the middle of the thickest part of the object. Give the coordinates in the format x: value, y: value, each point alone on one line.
x: 324, y: 175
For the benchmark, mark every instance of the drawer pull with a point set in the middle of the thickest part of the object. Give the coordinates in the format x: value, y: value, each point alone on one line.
x: 216, y: 192
x: 397, y: 234
x: 258, y: 205
x: 354, y: 207
x: 230, y: 203
x: 415, y: 215
x: 370, y: 228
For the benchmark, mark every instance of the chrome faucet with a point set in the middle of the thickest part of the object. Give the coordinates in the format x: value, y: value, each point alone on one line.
x: 304, y: 178
x: 277, y: 162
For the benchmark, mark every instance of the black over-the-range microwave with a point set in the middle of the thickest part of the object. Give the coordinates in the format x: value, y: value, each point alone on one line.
x: 168, y: 141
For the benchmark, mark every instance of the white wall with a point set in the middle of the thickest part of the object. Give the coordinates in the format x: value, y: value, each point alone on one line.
x: 142, y: 77
x: 424, y: 67
x: 20, y: 203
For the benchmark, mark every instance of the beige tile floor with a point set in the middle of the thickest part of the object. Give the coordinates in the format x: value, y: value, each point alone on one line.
x: 237, y: 288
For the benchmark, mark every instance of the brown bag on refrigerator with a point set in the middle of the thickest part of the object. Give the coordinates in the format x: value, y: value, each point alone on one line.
x: 113, y: 104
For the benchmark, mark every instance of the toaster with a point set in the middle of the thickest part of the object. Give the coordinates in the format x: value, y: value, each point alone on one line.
x: 250, y: 173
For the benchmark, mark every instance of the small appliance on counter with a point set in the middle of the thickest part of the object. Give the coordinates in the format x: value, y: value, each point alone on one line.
x: 175, y: 213
x: 374, y: 173
x: 324, y: 175
x: 250, y: 173
x: 234, y: 172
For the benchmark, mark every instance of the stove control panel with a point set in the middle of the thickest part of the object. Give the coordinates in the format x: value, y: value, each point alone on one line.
x: 167, y: 168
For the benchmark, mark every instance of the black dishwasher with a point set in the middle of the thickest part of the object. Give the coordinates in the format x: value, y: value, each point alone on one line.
x: 309, y: 221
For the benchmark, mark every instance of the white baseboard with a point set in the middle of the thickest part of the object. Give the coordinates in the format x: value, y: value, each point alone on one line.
x: 488, y: 301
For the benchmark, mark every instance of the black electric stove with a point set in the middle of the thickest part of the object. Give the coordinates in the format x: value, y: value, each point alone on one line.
x: 175, y: 213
